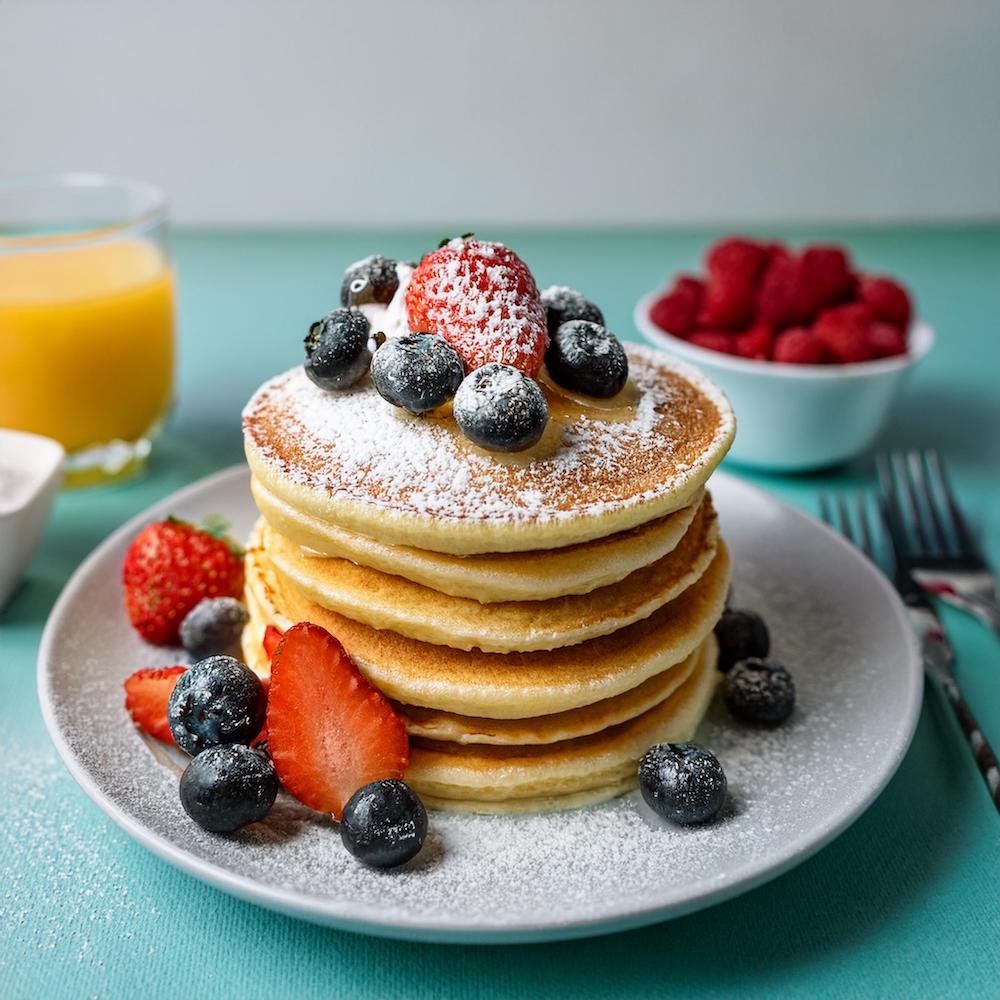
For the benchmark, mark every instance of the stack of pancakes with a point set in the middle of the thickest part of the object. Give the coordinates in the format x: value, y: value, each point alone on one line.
x: 538, y: 619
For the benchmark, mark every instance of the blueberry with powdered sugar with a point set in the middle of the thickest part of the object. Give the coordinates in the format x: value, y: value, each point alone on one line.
x: 500, y: 408
x: 682, y: 782
x: 218, y: 700
x: 418, y: 372
x: 373, y: 279
x: 338, y: 349
x: 563, y: 304
x: 586, y: 357
x: 759, y: 691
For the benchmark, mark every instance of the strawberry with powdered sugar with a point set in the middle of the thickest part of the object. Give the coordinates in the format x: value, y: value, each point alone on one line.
x: 482, y: 299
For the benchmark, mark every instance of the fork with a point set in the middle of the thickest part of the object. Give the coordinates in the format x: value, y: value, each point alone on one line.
x: 936, y: 652
x: 932, y: 537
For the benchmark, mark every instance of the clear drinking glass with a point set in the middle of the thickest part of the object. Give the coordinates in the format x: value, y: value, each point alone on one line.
x: 86, y: 317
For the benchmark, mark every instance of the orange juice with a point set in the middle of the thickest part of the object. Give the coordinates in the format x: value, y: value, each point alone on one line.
x: 86, y: 341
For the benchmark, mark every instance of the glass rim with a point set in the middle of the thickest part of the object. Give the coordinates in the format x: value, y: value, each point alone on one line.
x: 155, y: 210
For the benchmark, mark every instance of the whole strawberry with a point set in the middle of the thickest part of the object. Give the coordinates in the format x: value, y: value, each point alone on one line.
x: 482, y: 299
x: 171, y: 566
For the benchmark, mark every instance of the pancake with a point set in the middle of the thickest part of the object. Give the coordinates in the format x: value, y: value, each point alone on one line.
x: 497, y: 777
x: 462, y: 729
x: 500, y: 685
x: 351, y: 459
x: 544, y: 803
x: 391, y: 602
x: 497, y: 576
x: 432, y: 724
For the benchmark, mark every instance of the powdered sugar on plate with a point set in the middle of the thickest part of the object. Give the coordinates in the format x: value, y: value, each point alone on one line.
x: 834, y: 622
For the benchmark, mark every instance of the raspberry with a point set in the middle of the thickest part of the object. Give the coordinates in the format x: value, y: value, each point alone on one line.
x: 677, y: 311
x: 844, y: 331
x: 826, y: 279
x: 714, y: 340
x: 886, y: 340
x: 799, y: 346
x: 888, y: 300
x: 734, y: 266
x: 779, y: 294
x: 755, y: 342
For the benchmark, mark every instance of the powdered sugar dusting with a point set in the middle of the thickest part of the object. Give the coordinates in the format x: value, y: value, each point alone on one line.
x: 354, y: 445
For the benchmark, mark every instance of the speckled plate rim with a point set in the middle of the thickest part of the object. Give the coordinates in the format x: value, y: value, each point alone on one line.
x: 353, y: 916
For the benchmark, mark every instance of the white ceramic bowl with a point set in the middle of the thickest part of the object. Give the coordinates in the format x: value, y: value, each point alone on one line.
x: 792, y: 418
x: 30, y: 474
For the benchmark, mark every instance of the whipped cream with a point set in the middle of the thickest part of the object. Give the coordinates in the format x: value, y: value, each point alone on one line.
x: 391, y: 319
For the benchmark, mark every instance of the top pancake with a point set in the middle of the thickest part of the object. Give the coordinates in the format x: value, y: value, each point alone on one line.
x: 603, y: 466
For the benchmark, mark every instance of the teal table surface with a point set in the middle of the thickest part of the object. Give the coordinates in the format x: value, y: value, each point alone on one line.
x: 906, y: 903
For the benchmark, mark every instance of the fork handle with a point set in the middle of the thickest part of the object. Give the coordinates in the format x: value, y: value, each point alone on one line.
x: 986, y: 610
x: 982, y: 752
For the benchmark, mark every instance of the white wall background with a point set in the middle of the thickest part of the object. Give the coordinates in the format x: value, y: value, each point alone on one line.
x: 393, y: 112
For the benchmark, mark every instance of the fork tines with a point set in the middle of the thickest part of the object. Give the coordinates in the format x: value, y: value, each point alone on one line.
x: 921, y: 507
x: 855, y: 529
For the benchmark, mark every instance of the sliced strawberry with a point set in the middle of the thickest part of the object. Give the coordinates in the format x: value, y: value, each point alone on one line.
x: 329, y: 731
x: 272, y: 636
x: 261, y: 737
x: 147, y: 692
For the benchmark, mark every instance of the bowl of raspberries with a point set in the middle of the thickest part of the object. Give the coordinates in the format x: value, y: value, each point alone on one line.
x: 810, y: 350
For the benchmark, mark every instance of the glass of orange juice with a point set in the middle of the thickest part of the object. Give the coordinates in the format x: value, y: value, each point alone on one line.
x: 86, y: 317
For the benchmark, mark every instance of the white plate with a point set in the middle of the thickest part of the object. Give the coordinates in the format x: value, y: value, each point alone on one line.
x: 835, y: 622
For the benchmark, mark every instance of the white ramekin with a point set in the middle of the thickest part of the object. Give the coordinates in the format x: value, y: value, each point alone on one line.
x: 33, y: 466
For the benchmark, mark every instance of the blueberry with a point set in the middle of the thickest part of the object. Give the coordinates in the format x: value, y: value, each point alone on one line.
x: 586, y: 357
x: 500, y: 408
x: 740, y: 634
x: 212, y: 626
x: 337, y: 349
x: 419, y: 371
x: 218, y: 700
x: 563, y: 304
x: 384, y: 823
x: 373, y: 279
x: 757, y: 690
x: 682, y: 782
x: 227, y: 787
